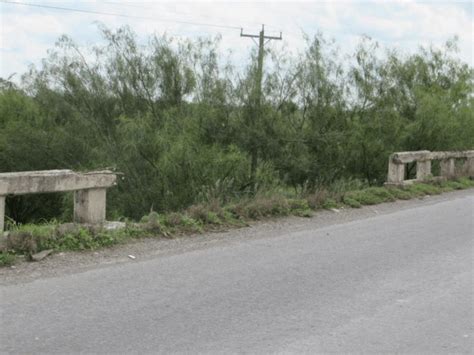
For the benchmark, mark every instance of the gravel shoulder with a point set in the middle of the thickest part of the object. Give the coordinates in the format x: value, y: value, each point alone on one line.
x: 148, y: 248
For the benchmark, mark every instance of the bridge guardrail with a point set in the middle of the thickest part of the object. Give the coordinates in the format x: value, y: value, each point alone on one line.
x: 423, y: 158
x: 89, y: 190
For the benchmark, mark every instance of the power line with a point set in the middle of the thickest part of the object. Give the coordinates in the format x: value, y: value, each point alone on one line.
x: 177, y: 13
x: 50, y: 7
x: 126, y: 4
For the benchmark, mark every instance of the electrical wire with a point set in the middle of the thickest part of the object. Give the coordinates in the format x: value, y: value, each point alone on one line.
x: 176, y: 13
x: 120, y: 15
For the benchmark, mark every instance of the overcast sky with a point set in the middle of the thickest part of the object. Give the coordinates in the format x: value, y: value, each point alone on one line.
x: 27, y: 32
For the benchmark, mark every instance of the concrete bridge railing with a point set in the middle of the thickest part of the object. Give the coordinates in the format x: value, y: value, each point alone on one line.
x: 448, y: 167
x: 89, y: 190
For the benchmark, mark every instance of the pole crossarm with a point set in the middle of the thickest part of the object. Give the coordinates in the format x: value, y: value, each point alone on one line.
x: 242, y: 34
x: 247, y: 35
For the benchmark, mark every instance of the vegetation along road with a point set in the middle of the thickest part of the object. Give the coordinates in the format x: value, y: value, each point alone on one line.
x: 395, y: 278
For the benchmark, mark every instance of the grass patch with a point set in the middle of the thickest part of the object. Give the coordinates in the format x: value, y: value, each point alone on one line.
x: 422, y: 189
x: 351, y: 202
x: 261, y: 207
x: 30, y: 239
x: 365, y: 198
x: 466, y: 182
x: 460, y: 184
x: 299, y: 207
x: 382, y: 193
x: 7, y: 259
x: 400, y: 193
x: 330, y: 203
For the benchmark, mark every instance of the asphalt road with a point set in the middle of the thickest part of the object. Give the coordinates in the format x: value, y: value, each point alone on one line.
x: 399, y: 282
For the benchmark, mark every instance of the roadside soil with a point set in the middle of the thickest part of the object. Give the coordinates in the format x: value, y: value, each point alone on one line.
x: 64, y: 263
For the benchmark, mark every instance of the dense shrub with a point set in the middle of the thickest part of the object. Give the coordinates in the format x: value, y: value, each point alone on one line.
x: 184, y: 128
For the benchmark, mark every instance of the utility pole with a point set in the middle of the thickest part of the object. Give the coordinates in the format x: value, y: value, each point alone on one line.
x: 256, y: 99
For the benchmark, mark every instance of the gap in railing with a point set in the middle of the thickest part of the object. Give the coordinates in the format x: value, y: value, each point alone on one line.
x: 39, y: 208
x: 436, y: 167
x: 410, y: 171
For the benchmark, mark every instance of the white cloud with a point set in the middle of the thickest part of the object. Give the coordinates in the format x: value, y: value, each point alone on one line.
x: 27, y: 32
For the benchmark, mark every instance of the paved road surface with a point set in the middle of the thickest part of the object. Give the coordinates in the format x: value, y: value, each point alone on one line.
x: 399, y: 282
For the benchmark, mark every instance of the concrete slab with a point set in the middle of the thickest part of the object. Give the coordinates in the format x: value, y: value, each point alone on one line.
x: 31, y: 182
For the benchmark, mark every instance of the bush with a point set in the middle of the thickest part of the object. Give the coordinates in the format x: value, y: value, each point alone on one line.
x: 351, y: 202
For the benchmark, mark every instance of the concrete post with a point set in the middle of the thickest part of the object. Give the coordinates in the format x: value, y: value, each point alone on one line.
x: 396, y: 173
x: 423, y: 169
x: 447, y: 168
x: 469, y: 167
x: 89, y: 206
x: 2, y: 213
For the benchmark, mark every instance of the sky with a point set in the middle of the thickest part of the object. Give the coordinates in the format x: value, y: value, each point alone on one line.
x: 27, y: 32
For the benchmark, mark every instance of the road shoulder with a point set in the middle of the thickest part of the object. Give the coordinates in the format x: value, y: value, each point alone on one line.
x: 148, y: 248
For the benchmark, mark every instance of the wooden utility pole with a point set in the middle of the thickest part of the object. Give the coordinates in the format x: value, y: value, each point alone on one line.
x: 256, y: 99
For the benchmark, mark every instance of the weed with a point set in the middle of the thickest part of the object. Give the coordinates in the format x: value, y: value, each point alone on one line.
x: 330, y: 203
x: 299, y: 207
x: 458, y: 184
x: 381, y: 192
x: 197, y: 212
x: 341, y: 186
x: 21, y: 241
x: 455, y: 185
x: 7, y: 259
x: 317, y: 199
x: 466, y: 182
x: 298, y: 204
x: 260, y: 206
x: 212, y: 218
x: 190, y: 225
x: 153, y: 222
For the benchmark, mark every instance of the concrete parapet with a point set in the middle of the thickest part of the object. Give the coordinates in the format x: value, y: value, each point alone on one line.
x: 452, y: 155
x: 468, y: 168
x: 423, y: 158
x: 396, y: 172
x: 32, y: 182
x: 89, y: 206
x: 89, y: 190
x: 2, y: 213
x: 423, y: 169
x: 448, y: 168
x: 410, y: 157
